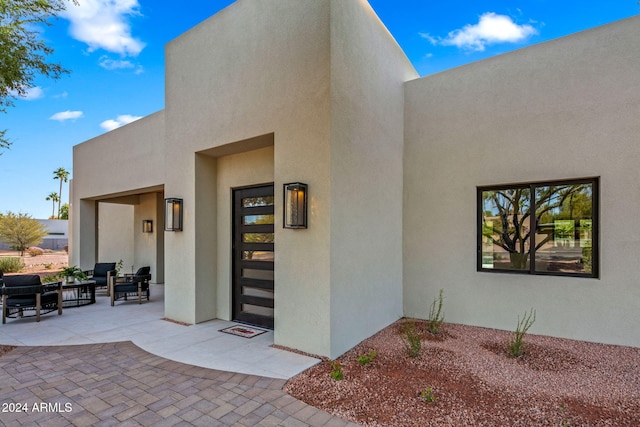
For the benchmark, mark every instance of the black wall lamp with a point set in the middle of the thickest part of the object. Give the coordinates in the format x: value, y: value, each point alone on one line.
x: 147, y: 226
x: 172, y: 214
x: 295, y: 205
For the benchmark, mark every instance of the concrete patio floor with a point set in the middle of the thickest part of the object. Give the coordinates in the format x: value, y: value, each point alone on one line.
x: 123, y: 366
x: 199, y: 345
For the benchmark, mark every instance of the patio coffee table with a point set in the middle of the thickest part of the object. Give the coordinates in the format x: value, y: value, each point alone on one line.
x: 78, y: 293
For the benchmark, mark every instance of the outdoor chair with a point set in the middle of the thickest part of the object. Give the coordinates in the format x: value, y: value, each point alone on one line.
x: 131, y: 284
x: 24, y: 295
x: 102, y: 273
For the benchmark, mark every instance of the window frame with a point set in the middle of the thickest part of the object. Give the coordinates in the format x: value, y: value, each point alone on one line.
x: 595, y: 211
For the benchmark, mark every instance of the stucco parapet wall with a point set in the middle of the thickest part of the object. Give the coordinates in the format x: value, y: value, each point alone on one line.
x: 124, y: 159
x: 563, y: 109
x: 588, y: 43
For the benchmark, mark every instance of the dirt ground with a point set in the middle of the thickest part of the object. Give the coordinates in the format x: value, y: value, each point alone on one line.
x: 466, y: 377
x: 44, y: 265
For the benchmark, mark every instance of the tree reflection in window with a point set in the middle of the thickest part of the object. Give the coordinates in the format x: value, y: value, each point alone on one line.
x: 564, y: 227
x: 252, y: 202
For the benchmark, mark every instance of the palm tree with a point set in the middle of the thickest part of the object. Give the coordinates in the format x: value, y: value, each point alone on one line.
x: 54, y: 198
x: 63, y: 175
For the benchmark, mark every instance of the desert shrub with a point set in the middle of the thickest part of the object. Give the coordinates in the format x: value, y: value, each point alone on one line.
x: 336, y: 370
x: 35, y: 251
x: 411, y: 337
x: 365, y: 359
x: 436, y: 317
x: 11, y: 264
x: 427, y: 395
x: 516, y: 346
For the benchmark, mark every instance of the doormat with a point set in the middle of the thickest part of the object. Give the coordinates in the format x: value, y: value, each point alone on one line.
x: 243, y: 331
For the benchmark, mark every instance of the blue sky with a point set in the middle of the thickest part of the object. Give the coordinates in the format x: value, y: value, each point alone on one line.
x: 115, y: 51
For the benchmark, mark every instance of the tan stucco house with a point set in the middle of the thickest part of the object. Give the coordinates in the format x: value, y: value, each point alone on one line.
x: 414, y: 184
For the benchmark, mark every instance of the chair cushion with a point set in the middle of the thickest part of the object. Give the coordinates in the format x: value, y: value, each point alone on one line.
x: 22, y: 280
x: 30, y: 300
x: 126, y: 287
x: 143, y: 271
x: 100, y: 280
x: 22, y: 301
x: 101, y: 268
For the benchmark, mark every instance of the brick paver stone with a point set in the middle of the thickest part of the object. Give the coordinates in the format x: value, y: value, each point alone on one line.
x: 121, y: 384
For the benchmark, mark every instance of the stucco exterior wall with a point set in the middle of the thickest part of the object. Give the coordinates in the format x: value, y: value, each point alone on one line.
x: 256, y: 68
x: 564, y: 109
x: 236, y: 170
x: 318, y: 91
x: 367, y: 98
x: 149, y: 247
x: 125, y: 161
x: 127, y: 158
x: 115, y: 234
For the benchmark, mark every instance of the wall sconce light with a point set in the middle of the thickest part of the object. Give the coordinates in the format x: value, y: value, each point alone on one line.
x: 147, y: 226
x: 295, y: 205
x: 172, y: 214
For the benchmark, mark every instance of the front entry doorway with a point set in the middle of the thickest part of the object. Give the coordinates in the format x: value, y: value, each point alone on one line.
x: 253, y: 255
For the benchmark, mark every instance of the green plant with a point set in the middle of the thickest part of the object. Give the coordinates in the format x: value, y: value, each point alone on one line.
x: 427, y: 395
x: 48, y: 266
x: 436, y: 317
x: 11, y: 264
x: 367, y: 358
x: 412, y: 340
x: 516, y: 346
x: 336, y: 370
x: 119, y: 267
x: 73, y: 271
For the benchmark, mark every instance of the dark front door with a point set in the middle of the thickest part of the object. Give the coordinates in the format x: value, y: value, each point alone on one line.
x: 253, y: 255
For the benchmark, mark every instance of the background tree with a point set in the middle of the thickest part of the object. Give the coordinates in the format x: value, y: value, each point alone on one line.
x: 23, y: 52
x: 21, y: 231
x: 64, y: 211
x: 54, y: 198
x: 63, y: 176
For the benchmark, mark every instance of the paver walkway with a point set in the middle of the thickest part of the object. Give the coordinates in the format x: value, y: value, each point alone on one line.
x: 120, y: 384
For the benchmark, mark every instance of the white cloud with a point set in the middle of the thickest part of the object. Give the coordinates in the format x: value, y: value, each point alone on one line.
x: 122, y: 120
x: 102, y: 24
x: 491, y: 28
x: 34, y: 93
x: 66, y: 115
x: 115, y: 64
x: 432, y: 40
x: 30, y: 93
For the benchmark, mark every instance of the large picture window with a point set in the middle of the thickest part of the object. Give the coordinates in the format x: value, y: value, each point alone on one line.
x: 539, y: 228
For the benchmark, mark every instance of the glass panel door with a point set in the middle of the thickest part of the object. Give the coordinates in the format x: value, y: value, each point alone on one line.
x: 253, y: 255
